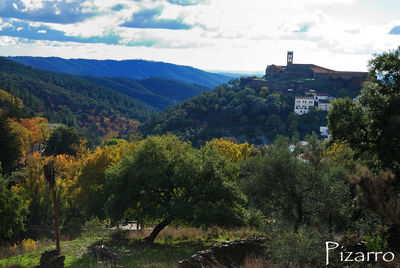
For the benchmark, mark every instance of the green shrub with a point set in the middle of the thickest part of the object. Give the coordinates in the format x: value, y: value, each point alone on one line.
x: 93, y: 227
x: 302, y: 249
x: 254, y: 217
x: 375, y: 244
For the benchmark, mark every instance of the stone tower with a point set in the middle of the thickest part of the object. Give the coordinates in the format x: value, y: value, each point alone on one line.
x: 289, y: 58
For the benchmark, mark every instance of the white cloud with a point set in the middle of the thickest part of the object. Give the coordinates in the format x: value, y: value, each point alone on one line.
x: 32, y: 4
x: 227, y: 34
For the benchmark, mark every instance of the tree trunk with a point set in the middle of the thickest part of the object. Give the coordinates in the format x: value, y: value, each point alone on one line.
x: 300, y: 214
x: 157, y: 230
x: 56, y: 220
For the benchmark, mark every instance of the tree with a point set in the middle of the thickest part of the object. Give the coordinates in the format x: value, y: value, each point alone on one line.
x: 12, y: 212
x: 91, y: 181
x: 38, y: 126
x: 24, y: 137
x: 165, y: 180
x: 50, y: 176
x: 297, y: 187
x: 235, y: 152
x: 34, y: 190
x: 10, y: 106
x: 10, y: 146
x: 371, y: 126
x: 63, y: 141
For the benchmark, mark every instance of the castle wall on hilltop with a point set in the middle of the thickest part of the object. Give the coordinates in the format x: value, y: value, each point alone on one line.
x: 297, y: 76
x: 361, y: 76
x: 300, y: 70
x: 259, y: 83
x: 311, y: 71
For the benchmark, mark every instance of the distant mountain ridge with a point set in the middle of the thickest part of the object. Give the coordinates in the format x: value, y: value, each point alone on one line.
x: 72, y: 100
x: 134, y: 69
x: 102, y: 106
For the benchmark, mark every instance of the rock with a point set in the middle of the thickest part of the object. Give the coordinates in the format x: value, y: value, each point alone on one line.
x: 105, y: 254
x: 52, y: 259
x: 227, y: 254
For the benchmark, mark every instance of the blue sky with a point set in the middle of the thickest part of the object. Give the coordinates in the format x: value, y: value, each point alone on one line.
x: 230, y: 35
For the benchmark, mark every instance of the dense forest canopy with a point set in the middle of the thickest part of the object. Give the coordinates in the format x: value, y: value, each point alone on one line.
x: 70, y: 100
x: 231, y: 110
x: 106, y: 107
x: 155, y: 91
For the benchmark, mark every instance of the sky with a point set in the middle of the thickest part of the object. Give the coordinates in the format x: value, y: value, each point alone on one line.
x: 223, y: 35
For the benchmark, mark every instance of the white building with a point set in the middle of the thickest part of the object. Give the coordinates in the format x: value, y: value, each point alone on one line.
x: 324, y: 105
x: 302, y: 104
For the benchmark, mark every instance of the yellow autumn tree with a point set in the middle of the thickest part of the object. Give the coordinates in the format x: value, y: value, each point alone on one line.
x: 30, y: 132
x: 9, y: 104
x: 24, y: 137
x: 235, y: 152
x: 91, y: 194
x: 68, y: 169
x: 35, y: 190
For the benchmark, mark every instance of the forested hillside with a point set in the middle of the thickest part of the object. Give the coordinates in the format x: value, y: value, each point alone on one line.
x: 72, y: 100
x: 135, y: 69
x: 231, y: 110
x: 100, y: 105
x: 155, y: 91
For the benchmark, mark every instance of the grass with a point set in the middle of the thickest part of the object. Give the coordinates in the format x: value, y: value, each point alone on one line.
x: 73, y: 249
x: 172, y: 245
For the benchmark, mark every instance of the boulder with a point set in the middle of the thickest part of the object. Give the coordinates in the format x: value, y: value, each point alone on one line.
x: 103, y: 253
x: 52, y: 259
x: 228, y: 254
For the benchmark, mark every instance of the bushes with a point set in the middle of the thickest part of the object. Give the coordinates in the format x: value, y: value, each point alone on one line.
x: 28, y: 245
x: 93, y: 227
x: 302, y: 249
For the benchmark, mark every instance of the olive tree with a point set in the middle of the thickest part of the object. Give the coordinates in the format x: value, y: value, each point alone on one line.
x: 297, y: 187
x: 164, y: 180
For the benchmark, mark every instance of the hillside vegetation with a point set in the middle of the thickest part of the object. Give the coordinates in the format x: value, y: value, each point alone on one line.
x: 155, y: 91
x: 231, y: 110
x: 71, y: 100
x: 100, y: 106
x: 135, y: 69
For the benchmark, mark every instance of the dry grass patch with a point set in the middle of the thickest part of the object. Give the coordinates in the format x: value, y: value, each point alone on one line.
x: 173, y: 234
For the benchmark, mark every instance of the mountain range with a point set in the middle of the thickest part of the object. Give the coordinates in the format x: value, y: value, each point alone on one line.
x: 100, y: 106
x: 134, y: 69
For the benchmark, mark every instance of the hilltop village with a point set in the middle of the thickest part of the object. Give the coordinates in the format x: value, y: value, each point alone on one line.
x: 300, y: 77
x: 314, y: 86
x: 310, y: 83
